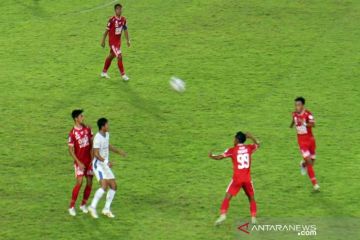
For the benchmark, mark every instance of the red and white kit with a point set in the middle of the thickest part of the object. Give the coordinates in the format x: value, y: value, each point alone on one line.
x: 305, y: 136
x: 80, y: 139
x: 241, y: 159
x: 115, y: 26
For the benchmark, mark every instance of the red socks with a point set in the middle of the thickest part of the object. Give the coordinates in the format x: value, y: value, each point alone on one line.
x: 311, y: 174
x: 225, y: 206
x: 226, y: 203
x: 121, y: 67
x: 74, y: 195
x: 107, y: 64
x: 86, y: 196
x: 253, y: 208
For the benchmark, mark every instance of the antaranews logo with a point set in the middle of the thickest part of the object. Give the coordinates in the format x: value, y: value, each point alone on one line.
x: 299, y: 229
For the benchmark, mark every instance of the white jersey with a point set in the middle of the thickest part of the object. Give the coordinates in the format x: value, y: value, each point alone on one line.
x: 102, y: 143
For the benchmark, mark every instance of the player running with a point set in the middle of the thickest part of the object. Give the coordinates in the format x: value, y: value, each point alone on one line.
x: 102, y: 168
x: 115, y: 26
x: 304, y: 122
x: 80, y: 142
x: 241, y: 158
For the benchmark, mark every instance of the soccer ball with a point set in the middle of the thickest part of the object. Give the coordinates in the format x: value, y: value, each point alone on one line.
x: 177, y: 84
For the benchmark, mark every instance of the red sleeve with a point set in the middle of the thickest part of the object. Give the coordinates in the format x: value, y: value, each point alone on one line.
x: 125, y: 24
x: 109, y: 24
x: 91, y: 134
x: 253, y: 147
x: 228, y: 152
x: 71, y: 139
x: 310, y: 117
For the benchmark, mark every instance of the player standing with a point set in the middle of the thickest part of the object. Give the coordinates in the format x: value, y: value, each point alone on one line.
x: 102, y: 168
x: 80, y: 141
x: 304, y: 122
x: 115, y: 26
x: 241, y: 158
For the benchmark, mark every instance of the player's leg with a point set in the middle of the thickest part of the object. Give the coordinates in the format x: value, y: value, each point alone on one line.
x: 232, y: 189
x: 87, y: 191
x: 97, y: 196
x: 99, y: 174
x: 107, y: 64
x: 121, y: 67
x: 249, y: 190
x: 79, y: 174
x: 310, y: 160
x: 109, y: 198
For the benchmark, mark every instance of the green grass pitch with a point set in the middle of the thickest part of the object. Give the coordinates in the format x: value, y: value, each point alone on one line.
x: 243, y: 62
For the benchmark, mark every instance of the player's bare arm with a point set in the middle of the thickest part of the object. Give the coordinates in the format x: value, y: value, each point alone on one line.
x: 104, y: 38
x: 216, y: 157
x: 292, y: 124
x: 117, y: 151
x: 252, y: 138
x: 97, y: 154
x: 127, y: 37
x: 72, y: 154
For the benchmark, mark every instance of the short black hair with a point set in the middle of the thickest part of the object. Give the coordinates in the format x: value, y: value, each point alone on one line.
x: 75, y: 113
x: 101, y: 122
x: 117, y: 5
x: 300, y: 99
x: 241, y: 137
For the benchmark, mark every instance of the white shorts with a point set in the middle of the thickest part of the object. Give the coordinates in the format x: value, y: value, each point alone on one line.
x: 102, y: 170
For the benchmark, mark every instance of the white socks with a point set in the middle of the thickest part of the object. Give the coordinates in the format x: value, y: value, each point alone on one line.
x: 98, y: 194
x: 109, y: 197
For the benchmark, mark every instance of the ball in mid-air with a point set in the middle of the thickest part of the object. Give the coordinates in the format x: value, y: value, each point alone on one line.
x: 177, y: 84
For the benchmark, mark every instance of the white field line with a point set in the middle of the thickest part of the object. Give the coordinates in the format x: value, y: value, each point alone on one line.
x: 97, y: 7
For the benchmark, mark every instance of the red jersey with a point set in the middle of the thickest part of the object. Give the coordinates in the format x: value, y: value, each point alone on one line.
x: 241, y: 159
x: 303, y: 131
x: 115, y: 26
x: 80, y: 138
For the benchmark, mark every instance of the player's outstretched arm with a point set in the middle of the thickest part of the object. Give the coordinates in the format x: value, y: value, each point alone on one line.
x: 253, y: 139
x: 117, y: 151
x: 104, y: 38
x: 216, y: 157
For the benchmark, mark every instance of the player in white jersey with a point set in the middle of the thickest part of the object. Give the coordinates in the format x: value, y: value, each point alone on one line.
x: 102, y: 168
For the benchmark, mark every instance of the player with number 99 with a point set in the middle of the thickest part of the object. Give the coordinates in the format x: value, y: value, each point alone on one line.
x: 240, y: 154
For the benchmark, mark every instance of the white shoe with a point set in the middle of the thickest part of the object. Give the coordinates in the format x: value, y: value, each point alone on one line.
x: 104, y: 75
x: 221, y: 219
x: 72, y: 212
x: 84, y: 209
x: 316, y: 187
x: 93, y: 212
x: 253, y: 220
x: 107, y: 213
x: 303, y: 170
x: 125, y: 78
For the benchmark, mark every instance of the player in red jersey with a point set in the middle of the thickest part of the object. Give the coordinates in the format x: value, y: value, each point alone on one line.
x: 115, y: 26
x: 241, y: 158
x: 80, y: 149
x: 304, y: 122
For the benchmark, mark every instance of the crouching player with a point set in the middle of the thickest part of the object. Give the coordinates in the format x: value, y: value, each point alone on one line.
x: 240, y: 154
x: 102, y: 169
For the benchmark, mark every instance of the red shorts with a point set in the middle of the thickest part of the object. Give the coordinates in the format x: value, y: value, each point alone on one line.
x: 307, y: 147
x: 81, y: 173
x: 235, y: 185
x: 116, y: 50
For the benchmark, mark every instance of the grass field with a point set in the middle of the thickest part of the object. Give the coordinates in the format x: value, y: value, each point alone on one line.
x: 243, y: 62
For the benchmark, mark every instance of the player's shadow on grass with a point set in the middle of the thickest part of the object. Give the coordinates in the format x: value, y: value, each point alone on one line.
x: 35, y: 8
x: 147, y: 106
